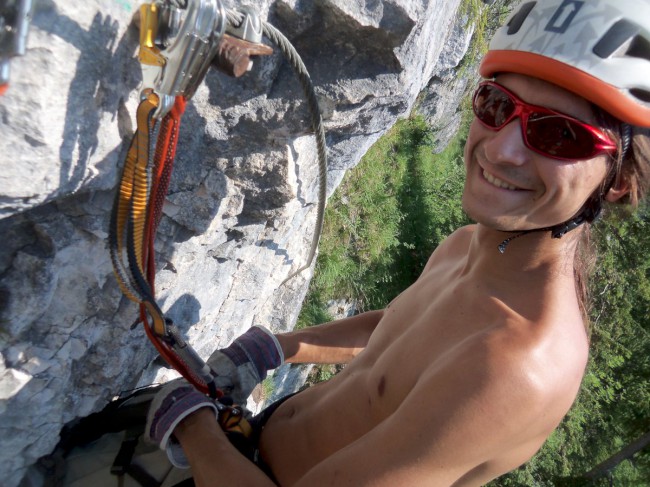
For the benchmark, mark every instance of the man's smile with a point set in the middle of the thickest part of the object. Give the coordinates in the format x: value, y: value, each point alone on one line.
x: 494, y: 181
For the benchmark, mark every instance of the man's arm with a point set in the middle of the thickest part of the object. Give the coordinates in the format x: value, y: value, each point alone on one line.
x: 242, y: 365
x: 335, y: 342
x: 215, y: 462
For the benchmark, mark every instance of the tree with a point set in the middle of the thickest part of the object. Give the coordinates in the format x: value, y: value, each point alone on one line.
x: 626, y: 453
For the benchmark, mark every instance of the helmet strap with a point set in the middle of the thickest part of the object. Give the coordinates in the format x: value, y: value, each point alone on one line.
x: 592, y: 208
x: 626, y: 139
x: 590, y: 213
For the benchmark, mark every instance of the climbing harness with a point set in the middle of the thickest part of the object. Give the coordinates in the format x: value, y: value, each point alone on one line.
x: 179, y: 41
x: 108, y: 447
x: 15, y: 17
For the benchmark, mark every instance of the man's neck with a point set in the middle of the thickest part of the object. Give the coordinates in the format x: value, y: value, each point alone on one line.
x: 533, y: 255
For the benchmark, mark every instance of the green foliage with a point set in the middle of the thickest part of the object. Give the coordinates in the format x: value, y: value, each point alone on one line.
x: 477, y: 15
x: 484, y: 19
x: 386, y: 218
x: 268, y: 386
x: 313, y: 311
x: 323, y: 372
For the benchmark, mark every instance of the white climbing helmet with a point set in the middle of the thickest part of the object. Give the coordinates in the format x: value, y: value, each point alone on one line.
x: 598, y: 49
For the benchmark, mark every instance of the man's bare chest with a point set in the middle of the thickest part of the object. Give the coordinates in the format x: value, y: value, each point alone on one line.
x: 433, y: 316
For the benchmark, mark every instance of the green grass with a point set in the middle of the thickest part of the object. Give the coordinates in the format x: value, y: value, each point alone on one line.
x: 478, y: 16
x: 268, y: 386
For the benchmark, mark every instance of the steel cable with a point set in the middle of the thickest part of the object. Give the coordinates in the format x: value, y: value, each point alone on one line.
x: 290, y: 53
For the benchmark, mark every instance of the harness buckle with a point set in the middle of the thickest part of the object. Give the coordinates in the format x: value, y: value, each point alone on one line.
x: 177, y: 46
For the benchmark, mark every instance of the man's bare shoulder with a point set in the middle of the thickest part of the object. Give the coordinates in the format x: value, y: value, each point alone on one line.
x: 452, y: 247
x: 458, y: 240
x: 516, y: 377
x: 493, y: 400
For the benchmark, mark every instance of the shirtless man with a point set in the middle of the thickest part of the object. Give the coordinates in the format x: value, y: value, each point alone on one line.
x: 466, y: 373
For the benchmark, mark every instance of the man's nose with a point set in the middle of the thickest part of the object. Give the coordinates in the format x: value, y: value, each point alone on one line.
x: 506, y: 146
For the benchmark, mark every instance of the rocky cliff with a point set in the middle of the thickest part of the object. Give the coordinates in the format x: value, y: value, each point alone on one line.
x: 241, y: 206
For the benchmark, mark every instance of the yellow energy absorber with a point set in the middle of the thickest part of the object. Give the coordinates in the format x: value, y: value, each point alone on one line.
x: 135, y: 163
x: 128, y: 225
x: 140, y: 194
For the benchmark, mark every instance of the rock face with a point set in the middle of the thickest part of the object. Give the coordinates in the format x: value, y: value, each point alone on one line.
x: 438, y: 102
x: 241, y: 206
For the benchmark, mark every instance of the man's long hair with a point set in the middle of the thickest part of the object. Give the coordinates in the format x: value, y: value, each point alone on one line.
x: 630, y: 166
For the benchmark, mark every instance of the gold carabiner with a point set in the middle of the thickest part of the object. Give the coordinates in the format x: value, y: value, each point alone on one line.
x: 149, y: 52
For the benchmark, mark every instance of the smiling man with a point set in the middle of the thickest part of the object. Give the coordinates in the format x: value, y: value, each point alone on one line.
x: 466, y: 373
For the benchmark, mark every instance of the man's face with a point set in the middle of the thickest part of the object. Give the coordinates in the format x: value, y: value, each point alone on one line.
x: 510, y: 187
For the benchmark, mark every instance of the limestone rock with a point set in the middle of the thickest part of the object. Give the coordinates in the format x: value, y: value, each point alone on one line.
x: 242, y: 200
x: 438, y: 101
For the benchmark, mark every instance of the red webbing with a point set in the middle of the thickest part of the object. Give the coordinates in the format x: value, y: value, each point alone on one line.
x: 163, y: 165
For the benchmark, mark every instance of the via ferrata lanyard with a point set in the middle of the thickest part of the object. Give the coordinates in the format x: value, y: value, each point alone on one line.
x: 171, y: 75
x: 179, y: 40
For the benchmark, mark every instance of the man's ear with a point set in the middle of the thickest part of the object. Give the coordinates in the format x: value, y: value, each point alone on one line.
x: 618, y: 190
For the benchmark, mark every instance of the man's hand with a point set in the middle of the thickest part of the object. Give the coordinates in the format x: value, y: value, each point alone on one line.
x: 215, y: 461
x: 246, y: 362
x: 175, y: 401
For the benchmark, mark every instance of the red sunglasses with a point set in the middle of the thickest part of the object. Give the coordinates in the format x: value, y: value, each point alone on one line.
x: 547, y: 132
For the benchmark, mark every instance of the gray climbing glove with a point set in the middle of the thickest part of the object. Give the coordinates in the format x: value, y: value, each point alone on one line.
x: 175, y: 401
x: 245, y: 363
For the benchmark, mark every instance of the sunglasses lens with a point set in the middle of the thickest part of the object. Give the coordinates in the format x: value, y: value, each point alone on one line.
x: 492, y: 106
x: 558, y: 136
x: 546, y: 132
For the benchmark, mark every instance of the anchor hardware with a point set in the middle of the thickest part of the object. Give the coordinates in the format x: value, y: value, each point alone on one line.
x: 15, y: 17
